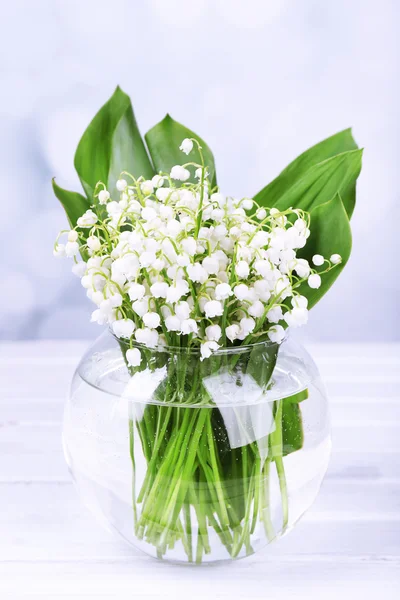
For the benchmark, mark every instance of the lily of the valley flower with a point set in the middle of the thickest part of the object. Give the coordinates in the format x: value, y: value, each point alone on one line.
x: 173, y: 265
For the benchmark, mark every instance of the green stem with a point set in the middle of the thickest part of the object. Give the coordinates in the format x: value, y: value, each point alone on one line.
x: 284, y: 493
x: 276, y: 447
x: 266, y: 502
x: 132, y: 455
x: 194, y: 479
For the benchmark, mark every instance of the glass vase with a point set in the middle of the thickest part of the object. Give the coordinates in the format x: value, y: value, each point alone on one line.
x: 197, y: 461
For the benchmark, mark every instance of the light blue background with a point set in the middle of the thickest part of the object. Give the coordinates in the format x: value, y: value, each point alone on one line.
x: 260, y: 80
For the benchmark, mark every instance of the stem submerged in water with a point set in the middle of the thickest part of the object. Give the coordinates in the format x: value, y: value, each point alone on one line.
x: 197, y: 487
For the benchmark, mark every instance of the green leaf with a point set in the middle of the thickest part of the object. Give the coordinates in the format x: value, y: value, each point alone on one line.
x: 330, y: 234
x: 163, y: 142
x: 111, y: 144
x: 262, y: 363
x: 74, y: 203
x: 292, y: 428
x: 337, y: 144
x: 296, y: 398
x: 322, y: 182
x: 288, y: 435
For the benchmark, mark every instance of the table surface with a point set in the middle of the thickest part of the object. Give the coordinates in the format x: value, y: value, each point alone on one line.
x: 348, y: 544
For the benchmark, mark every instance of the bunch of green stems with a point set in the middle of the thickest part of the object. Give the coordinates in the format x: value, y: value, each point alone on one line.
x: 195, y: 483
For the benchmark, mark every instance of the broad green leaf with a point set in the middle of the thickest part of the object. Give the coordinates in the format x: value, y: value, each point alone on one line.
x: 111, y: 144
x: 292, y: 428
x: 74, y: 203
x: 288, y: 435
x: 262, y: 363
x: 163, y: 142
x: 337, y: 144
x: 330, y: 234
x: 322, y: 182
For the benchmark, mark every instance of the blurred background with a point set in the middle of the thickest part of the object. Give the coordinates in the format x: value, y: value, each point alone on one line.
x: 259, y: 80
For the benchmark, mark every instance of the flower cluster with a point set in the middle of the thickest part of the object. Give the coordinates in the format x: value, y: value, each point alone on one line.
x: 169, y: 262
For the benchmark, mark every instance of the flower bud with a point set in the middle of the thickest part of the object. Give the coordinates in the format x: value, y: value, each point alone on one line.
x: 147, y: 187
x: 314, y: 281
x: 71, y: 248
x: 232, y: 332
x: 133, y: 357
x: 151, y: 320
x: 213, y: 308
x: 318, y: 260
x: 93, y: 243
x: 207, y: 348
x: 121, y: 185
x: 123, y: 328
x: 186, y: 146
x: 146, y: 336
x: 242, y: 269
x: 213, y: 333
x: 276, y: 334
x: 157, y: 181
x: 180, y: 173
x: 261, y: 214
x: 241, y: 291
x: 336, y: 259
x: 223, y: 291
x: 104, y: 196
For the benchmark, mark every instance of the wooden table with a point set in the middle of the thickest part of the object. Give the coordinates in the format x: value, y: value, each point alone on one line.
x: 347, y: 546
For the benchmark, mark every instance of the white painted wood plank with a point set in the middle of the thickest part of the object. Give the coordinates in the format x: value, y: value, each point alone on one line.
x: 41, y: 382
x: 80, y: 537
x: 39, y: 521
x: 31, y: 411
x: 363, y: 388
x: 356, y: 499
x: 257, y: 577
x: 363, y: 465
x: 364, y: 412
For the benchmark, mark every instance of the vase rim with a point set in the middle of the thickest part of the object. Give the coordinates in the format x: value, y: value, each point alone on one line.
x: 223, y: 350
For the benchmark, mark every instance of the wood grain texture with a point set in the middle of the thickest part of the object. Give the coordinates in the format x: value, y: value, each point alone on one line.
x: 347, y: 545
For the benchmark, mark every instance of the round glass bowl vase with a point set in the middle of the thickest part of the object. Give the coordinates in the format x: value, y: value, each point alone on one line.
x: 197, y: 461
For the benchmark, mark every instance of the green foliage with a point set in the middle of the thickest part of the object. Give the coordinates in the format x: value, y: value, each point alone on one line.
x: 330, y: 234
x: 319, y: 184
x: 74, y: 203
x: 292, y: 428
x: 332, y: 146
x: 163, y: 141
x: 322, y: 180
x: 110, y: 144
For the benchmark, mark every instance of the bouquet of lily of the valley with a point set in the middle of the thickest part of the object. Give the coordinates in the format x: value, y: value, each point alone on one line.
x: 188, y: 279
